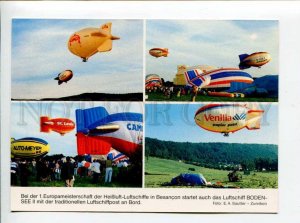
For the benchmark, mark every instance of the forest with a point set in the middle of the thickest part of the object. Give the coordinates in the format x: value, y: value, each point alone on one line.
x: 226, y: 156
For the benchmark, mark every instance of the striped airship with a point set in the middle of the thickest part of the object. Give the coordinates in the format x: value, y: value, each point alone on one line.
x: 257, y: 59
x: 159, y: 52
x: 29, y: 147
x: 59, y: 125
x: 216, y: 77
x: 228, y: 118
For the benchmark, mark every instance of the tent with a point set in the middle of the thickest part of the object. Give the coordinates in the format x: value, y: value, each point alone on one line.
x: 189, y: 179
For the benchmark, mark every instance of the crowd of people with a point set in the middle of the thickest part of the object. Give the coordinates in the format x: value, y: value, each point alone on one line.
x: 171, y: 91
x: 65, y: 169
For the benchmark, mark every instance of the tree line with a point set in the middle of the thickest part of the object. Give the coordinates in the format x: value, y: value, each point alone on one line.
x: 216, y: 155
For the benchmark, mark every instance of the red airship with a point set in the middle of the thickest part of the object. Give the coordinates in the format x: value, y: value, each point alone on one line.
x: 159, y: 52
x: 59, y: 125
x: 64, y: 76
x: 257, y: 59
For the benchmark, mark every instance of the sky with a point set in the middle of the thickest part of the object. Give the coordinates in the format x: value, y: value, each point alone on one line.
x: 210, y: 42
x: 25, y: 120
x: 40, y: 53
x: 175, y: 122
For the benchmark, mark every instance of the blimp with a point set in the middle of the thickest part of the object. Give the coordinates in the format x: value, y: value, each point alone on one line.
x: 228, y: 118
x: 64, y: 76
x: 29, y: 147
x: 59, y: 125
x: 159, y: 52
x: 152, y: 80
x: 98, y: 131
x: 89, y: 41
x: 257, y: 59
x: 213, y: 77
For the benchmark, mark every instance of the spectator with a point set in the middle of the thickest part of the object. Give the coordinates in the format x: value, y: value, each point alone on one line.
x: 108, y: 170
x: 13, y: 172
x: 67, y: 172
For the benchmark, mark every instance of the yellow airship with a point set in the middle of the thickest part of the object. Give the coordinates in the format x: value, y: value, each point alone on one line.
x: 29, y: 147
x: 89, y: 41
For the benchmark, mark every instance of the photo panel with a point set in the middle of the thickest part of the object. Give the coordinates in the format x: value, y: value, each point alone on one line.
x: 212, y: 60
x: 77, y: 60
x: 76, y: 144
x: 216, y: 145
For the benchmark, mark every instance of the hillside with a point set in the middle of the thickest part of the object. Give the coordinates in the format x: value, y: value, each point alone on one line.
x: 216, y: 155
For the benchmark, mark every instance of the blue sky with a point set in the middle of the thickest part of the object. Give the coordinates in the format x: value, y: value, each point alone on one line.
x: 25, y: 120
x: 175, y: 122
x: 210, y: 42
x: 40, y: 52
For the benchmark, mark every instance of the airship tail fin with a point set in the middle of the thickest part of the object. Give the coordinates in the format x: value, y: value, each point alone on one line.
x: 59, y: 82
x: 44, y: 127
x: 106, y: 28
x: 253, y: 119
x: 56, y: 78
x: 243, y: 56
x: 106, y: 46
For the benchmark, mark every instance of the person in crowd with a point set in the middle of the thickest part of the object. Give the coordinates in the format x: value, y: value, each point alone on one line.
x: 194, y: 93
x: 108, y: 170
x: 67, y: 172
x: 13, y: 172
x: 57, y: 171
x: 24, y: 173
x: 95, y: 168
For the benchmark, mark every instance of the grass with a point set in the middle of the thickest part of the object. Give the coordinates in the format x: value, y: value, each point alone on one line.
x: 155, y: 96
x: 159, y: 171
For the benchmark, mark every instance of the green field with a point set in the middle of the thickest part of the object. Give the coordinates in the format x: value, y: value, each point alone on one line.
x: 155, y: 96
x: 159, y: 171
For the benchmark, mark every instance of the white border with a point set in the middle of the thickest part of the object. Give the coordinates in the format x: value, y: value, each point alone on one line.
x: 288, y: 13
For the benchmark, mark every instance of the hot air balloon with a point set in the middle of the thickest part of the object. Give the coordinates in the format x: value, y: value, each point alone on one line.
x: 98, y: 131
x: 89, y: 41
x: 159, y: 52
x: 153, y: 80
x: 59, y: 125
x: 228, y: 118
x: 29, y: 147
x: 64, y: 76
x: 257, y: 59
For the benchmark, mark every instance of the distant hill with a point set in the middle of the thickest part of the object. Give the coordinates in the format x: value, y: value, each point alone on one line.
x: 94, y: 97
x: 215, y: 155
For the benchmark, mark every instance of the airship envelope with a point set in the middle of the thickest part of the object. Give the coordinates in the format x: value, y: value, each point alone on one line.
x: 228, y: 118
x: 98, y: 131
x: 64, y: 76
x: 59, y: 125
x: 257, y: 59
x: 159, y: 52
x: 29, y: 147
x: 89, y: 41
